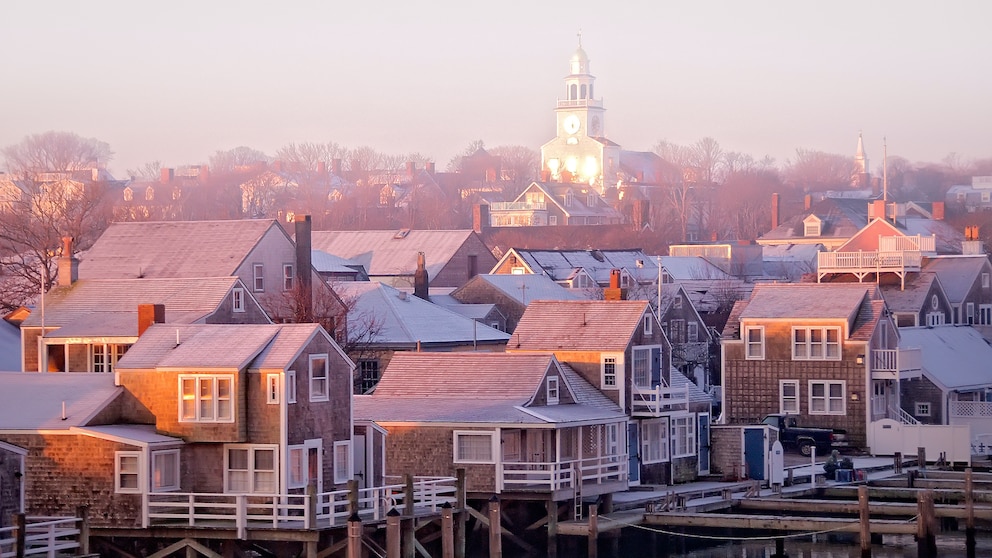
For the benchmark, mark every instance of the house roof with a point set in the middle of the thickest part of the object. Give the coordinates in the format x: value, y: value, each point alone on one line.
x: 139, y: 434
x: 202, y: 346
x: 688, y: 268
x: 172, y: 249
x: 329, y: 263
x: 957, y: 273
x: 805, y: 300
x: 33, y: 401
x: 385, y: 253
x: 110, y: 306
x: 403, y: 319
x: 280, y: 353
x: 954, y: 357
x: 469, y: 310
x: 696, y: 393
x: 524, y: 287
x: 913, y: 297
x: 869, y: 314
x: 840, y: 218
x: 562, y: 265
x: 576, y: 325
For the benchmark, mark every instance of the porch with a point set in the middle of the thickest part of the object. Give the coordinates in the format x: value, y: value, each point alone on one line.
x: 656, y: 401
x: 896, y: 364
x: 862, y: 264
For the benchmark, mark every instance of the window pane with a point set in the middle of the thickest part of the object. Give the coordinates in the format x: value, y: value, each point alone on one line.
x: 819, y: 390
x: 836, y: 390
x: 789, y: 390
x: 475, y: 447
x: 265, y: 459
x: 237, y: 459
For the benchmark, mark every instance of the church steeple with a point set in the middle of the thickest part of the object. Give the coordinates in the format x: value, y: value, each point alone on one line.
x: 860, y: 159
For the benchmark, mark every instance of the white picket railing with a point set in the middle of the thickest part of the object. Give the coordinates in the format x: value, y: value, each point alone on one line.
x: 559, y: 475
x: 869, y: 262
x: 907, y: 243
x: 43, y: 536
x: 429, y: 493
x: 659, y: 399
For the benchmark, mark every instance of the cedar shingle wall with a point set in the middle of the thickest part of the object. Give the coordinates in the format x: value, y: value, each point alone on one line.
x: 428, y: 451
x: 922, y: 390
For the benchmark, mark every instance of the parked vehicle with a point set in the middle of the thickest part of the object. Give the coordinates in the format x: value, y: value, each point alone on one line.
x: 804, y: 439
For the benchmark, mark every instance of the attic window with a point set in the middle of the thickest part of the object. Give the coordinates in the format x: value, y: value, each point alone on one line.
x: 812, y: 226
x: 552, y: 390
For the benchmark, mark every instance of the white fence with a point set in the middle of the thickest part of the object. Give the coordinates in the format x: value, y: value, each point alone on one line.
x: 654, y: 401
x: 553, y: 476
x: 888, y: 436
x: 43, y: 536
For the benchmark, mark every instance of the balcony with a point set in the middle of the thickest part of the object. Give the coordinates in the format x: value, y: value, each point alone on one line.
x: 590, y: 476
x: 653, y: 402
x: 862, y: 264
x: 918, y: 243
x: 517, y: 206
x: 579, y: 103
x: 895, y: 364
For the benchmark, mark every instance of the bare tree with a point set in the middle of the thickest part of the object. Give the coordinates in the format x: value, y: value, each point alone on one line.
x: 151, y: 170
x: 706, y: 157
x: 236, y: 159
x: 812, y: 170
x: 55, y: 152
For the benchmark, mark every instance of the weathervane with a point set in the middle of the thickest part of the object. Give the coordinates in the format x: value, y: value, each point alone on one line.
x: 579, y: 35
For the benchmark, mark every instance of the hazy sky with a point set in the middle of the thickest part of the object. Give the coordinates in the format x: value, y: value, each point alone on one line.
x: 175, y: 81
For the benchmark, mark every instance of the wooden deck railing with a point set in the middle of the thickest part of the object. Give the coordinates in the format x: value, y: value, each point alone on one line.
x: 869, y: 262
x: 559, y: 475
x: 429, y: 494
x: 659, y: 399
x: 43, y: 536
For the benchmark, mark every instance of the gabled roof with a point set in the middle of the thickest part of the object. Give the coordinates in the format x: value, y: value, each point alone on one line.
x: 401, y: 319
x: 561, y: 265
x: 954, y: 357
x: 957, y: 273
x: 840, y: 217
x: 806, y: 300
x: 329, y: 263
x: 172, y: 249
x: 109, y: 307
x: 912, y: 297
x: 689, y: 268
x: 33, y: 401
x: 524, y: 287
x: 385, y: 253
x: 206, y: 346
x: 867, y: 239
x: 286, y: 346
x: 578, y: 325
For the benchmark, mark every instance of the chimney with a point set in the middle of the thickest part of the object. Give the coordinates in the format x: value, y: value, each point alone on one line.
x: 938, y: 211
x: 321, y: 168
x: 420, y: 278
x: 480, y: 217
x: 336, y: 167
x: 304, y: 266
x: 411, y: 168
x: 614, y: 292
x: 776, y: 212
x: 430, y: 167
x: 876, y: 209
x: 167, y: 175
x: 807, y: 202
x: 545, y: 176
x: 68, y: 264
x: 149, y: 314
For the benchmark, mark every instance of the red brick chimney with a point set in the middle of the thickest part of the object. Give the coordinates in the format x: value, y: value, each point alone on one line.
x: 480, y: 217
x: 303, y: 266
x: 411, y: 169
x: 68, y: 264
x: 430, y: 167
x: 876, y: 209
x: 776, y: 212
x: 545, y: 176
x: 420, y: 278
x: 614, y: 292
x: 938, y: 211
x: 149, y: 314
x: 807, y: 202
x: 336, y: 167
x: 204, y: 175
x: 167, y: 175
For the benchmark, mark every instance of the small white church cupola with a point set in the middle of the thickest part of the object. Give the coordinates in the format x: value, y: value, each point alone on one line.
x: 861, y: 177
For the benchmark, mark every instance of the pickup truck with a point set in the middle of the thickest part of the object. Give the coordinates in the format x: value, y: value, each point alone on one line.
x: 803, y: 438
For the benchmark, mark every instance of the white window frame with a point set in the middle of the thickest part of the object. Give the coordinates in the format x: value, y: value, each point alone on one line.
x: 297, y: 456
x: 109, y: 354
x: 677, y: 302
x: 808, y: 345
x: 197, y: 399
x: 258, y: 277
x: 552, y: 390
x: 610, y: 380
x: 655, y: 441
x: 683, y: 436
x: 826, y: 398
x: 935, y: 318
x: 238, y: 299
x: 136, y: 470
x: 252, y: 470
x: 970, y: 308
x: 342, y: 462
x: 291, y: 386
x: 783, y: 399
x: 317, y: 394
x: 985, y: 314
x: 985, y: 280
x: 272, y: 389
x: 170, y: 454
x: 923, y: 409
x: 635, y: 370
x: 758, y: 345
x: 493, y: 449
x: 288, y: 277
x: 648, y: 325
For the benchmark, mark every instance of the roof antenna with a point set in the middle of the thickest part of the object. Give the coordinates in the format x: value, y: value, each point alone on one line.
x: 177, y: 336
x: 64, y: 417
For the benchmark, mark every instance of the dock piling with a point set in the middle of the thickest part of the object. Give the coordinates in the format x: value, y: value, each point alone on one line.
x: 354, y: 536
x: 969, y: 506
x: 393, y: 535
x: 593, y: 530
x: 495, y: 528
x: 865, y: 517
x: 447, y: 531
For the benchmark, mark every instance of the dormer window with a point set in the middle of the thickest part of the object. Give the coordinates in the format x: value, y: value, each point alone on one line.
x: 812, y: 226
x: 128, y: 194
x: 552, y: 390
x: 568, y: 198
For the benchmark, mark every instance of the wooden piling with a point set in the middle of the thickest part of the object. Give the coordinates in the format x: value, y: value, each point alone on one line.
x: 921, y: 458
x: 354, y: 536
x: 462, y: 519
x: 393, y: 535
x: 83, y: 513
x: 495, y: 528
x: 593, y: 530
x: 552, y: 508
x: 897, y: 463
x: 447, y: 531
x: 926, y: 544
x: 21, y: 522
x: 409, y: 524
x: 865, y: 517
x: 353, y: 496
x: 969, y: 506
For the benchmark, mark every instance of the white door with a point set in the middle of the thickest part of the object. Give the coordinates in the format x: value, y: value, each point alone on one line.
x: 361, y: 466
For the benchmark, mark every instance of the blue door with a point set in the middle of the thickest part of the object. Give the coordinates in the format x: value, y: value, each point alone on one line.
x: 704, y: 444
x: 634, y: 453
x: 754, y: 452
x: 655, y: 367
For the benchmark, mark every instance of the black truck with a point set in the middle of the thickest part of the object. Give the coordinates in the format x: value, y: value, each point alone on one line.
x: 804, y: 439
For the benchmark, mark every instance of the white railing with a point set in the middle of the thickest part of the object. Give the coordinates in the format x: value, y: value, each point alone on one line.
x: 429, y: 493
x: 903, y: 260
x: 886, y: 360
x: 970, y: 409
x: 902, y: 416
x: 43, y: 536
x: 559, y: 475
x: 517, y: 206
x: 660, y: 399
x: 570, y: 103
x: 917, y: 243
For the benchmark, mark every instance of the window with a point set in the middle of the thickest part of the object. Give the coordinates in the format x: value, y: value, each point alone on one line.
x: 272, y: 389
x: 291, y: 386
x: 642, y: 367
x: 971, y: 313
x: 552, y: 389
x: 677, y: 303
x: 654, y: 441
x: 474, y: 447
x: 258, y: 277
x: 683, y: 436
x: 127, y: 472
x: 318, y: 378
x: 935, y: 318
x: 342, y: 462
x: 106, y: 355
x: 815, y: 343
x: 754, y: 341
x: 518, y: 270
x: 165, y: 470
x: 206, y: 399
x: 985, y: 280
x: 297, y: 468
x: 250, y: 469
x: 287, y: 277
x: 985, y: 314
x: 788, y: 396
x: 553, y: 220
x: 827, y: 398
x: 473, y: 265
x: 369, y: 370
x: 610, y: 372
x: 692, y: 332
x: 922, y: 408
x: 648, y: 325
x: 238, y: 299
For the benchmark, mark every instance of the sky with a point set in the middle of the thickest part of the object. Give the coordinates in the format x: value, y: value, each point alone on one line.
x: 177, y: 81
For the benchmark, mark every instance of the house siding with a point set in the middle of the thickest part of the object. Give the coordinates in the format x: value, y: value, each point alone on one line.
x: 405, y: 454
x: 10, y: 486
x: 477, y: 291
x: 922, y: 390
x: 455, y: 272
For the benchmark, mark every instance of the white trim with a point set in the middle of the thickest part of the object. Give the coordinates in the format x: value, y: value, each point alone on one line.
x: 648, y: 320
x: 553, y: 390
x: 273, y: 389
x: 493, y: 446
x: 760, y: 344
x: 781, y: 397
x: 302, y: 451
x: 288, y: 276
x: 291, y: 386
x: 152, y: 464
x: 826, y: 398
x: 252, y: 470
x: 617, y: 376
x: 661, y: 440
x: 689, y: 434
x: 809, y: 345
x: 138, y: 472
x: 922, y: 406
x: 196, y: 399
x: 325, y: 396
x: 340, y: 476
x: 238, y: 300
x: 258, y: 277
